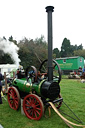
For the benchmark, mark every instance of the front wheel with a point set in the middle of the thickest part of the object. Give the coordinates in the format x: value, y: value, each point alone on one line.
x: 33, y: 107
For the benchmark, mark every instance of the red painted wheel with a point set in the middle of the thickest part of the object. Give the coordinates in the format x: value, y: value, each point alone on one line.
x: 33, y: 107
x: 58, y: 105
x: 13, y: 98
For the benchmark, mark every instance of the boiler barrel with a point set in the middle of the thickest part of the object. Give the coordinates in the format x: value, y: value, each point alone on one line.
x: 23, y: 85
x: 27, y: 86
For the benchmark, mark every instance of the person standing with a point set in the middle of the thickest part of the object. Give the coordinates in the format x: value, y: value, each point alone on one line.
x: 84, y: 69
x: 83, y: 73
x: 1, y: 78
x: 80, y: 71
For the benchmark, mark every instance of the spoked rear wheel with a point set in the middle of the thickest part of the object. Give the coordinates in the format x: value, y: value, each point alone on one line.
x: 56, y: 69
x: 33, y: 107
x: 13, y: 98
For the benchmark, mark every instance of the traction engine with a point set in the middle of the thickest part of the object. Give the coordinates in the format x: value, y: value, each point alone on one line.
x: 38, y: 88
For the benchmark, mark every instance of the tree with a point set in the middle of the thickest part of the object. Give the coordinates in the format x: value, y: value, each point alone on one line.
x: 40, y: 40
x: 65, y: 48
x: 80, y: 53
x: 32, y: 52
x: 12, y: 40
x: 5, y: 58
x: 80, y: 47
x: 56, y: 52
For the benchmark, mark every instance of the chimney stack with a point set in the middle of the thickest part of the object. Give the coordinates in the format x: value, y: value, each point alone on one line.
x: 49, y: 10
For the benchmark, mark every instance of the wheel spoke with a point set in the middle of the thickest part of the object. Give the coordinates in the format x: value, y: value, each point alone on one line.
x: 27, y: 109
x: 27, y: 101
x: 35, y: 114
x: 16, y: 98
x: 35, y: 102
x: 12, y: 91
x: 27, y: 105
x: 16, y: 101
x: 32, y: 113
x: 15, y: 95
x: 38, y: 109
x: 32, y: 100
x: 10, y: 94
x: 37, y: 105
x: 15, y: 104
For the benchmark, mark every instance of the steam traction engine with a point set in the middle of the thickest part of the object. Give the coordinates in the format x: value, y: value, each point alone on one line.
x: 38, y: 87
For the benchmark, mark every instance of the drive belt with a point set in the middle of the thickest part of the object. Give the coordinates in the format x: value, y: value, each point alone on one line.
x: 69, y: 123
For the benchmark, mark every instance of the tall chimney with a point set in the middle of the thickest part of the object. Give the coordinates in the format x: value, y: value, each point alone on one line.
x: 49, y: 10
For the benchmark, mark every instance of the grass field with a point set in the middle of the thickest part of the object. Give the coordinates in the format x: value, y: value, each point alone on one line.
x: 73, y: 93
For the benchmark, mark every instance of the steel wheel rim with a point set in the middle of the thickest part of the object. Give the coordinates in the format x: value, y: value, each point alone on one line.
x: 35, y: 73
x: 33, y: 107
x: 13, y: 98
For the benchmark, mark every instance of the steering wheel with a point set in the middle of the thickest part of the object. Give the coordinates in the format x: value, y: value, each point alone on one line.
x: 31, y: 72
x: 43, y: 69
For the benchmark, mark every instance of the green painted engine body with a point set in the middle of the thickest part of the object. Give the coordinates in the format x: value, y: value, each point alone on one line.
x: 27, y: 86
x: 43, y: 88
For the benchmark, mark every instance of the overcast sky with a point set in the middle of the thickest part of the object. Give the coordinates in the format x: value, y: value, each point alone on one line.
x: 28, y: 18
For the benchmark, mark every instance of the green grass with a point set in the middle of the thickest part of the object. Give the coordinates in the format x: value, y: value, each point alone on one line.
x: 73, y: 93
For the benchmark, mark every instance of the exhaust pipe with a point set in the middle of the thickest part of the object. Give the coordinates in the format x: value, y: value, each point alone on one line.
x: 49, y: 10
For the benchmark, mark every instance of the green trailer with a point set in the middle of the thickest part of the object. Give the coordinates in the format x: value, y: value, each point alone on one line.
x: 68, y: 64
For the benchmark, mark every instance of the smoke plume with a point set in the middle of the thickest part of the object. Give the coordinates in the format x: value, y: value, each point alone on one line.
x: 11, y: 49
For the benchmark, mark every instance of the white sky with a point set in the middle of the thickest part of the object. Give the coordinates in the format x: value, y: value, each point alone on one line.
x: 28, y: 18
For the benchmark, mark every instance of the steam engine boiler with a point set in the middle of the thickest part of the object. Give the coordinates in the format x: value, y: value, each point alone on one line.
x: 37, y: 88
